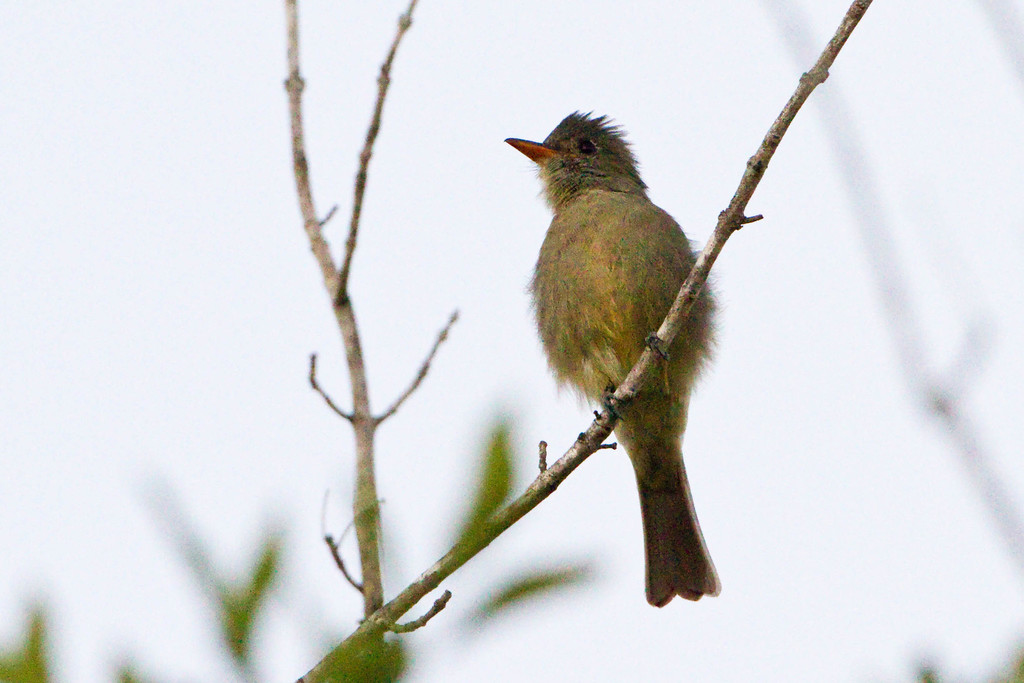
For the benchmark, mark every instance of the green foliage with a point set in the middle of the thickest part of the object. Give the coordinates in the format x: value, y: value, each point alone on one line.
x: 927, y: 674
x: 492, y: 490
x: 239, y: 603
x: 1017, y: 675
x: 28, y: 662
x: 368, y: 660
x: 1014, y: 673
x: 494, y: 484
x: 531, y: 586
x: 129, y: 673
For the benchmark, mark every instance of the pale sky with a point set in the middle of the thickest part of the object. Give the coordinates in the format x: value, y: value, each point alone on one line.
x: 159, y: 305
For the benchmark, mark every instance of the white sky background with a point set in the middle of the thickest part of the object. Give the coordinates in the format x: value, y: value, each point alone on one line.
x: 159, y: 304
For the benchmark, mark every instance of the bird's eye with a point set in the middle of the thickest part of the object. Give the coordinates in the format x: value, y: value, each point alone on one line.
x: 587, y: 147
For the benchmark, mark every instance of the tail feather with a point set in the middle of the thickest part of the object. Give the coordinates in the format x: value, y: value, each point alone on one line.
x: 678, y: 562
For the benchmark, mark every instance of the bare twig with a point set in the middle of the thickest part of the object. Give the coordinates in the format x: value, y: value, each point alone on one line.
x: 424, y: 368
x: 542, y: 459
x: 438, y: 605
x: 334, y: 546
x: 383, y: 82
x: 294, y: 86
x: 938, y: 393
x: 329, y: 216
x: 589, y: 442
x: 336, y: 554
x: 323, y: 394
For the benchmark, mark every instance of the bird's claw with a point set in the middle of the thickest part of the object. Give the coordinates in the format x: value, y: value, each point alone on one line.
x: 655, y: 343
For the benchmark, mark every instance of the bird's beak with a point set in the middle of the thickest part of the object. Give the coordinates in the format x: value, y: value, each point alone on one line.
x: 537, y: 152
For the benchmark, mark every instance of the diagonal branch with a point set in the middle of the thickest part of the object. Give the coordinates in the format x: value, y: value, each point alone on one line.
x: 421, y: 375
x: 383, y: 82
x: 588, y: 442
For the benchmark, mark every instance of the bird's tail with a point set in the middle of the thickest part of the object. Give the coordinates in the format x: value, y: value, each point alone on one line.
x: 678, y: 562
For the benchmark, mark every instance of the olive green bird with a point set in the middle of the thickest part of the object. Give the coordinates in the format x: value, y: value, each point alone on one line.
x: 609, y: 269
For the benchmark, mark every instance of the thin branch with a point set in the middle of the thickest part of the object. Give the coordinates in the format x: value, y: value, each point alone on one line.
x: 589, y: 442
x: 336, y: 554
x: 333, y: 545
x: 542, y: 459
x: 316, y: 387
x: 383, y: 82
x: 438, y: 605
x: 294, y: 86
x: 424, y: 368
x: 329, y: 216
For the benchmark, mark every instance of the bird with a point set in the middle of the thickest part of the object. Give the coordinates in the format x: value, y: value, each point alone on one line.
x: 609, y: 268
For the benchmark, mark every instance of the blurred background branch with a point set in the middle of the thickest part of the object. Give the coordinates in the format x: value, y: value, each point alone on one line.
x: 939, y: 393
x: 1004, y: 16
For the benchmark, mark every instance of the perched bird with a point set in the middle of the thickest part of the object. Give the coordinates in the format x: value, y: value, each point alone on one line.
x: 609, y: 269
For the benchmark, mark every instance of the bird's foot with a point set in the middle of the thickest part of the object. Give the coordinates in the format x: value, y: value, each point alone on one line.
x: 610, y: 403
x: 655, y: 343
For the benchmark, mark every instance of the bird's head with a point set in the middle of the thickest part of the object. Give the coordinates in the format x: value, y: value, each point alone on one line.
x: 583, y: 153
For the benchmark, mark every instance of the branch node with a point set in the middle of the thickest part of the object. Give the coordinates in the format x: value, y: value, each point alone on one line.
x: 438, y: 605
x: 294, y: 84
x: 814, y: 77
x: 340, y: 298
